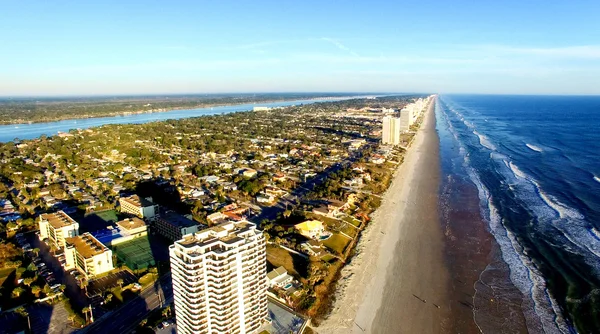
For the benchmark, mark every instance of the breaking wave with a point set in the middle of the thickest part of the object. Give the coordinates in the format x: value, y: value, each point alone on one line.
x: 534, y: 148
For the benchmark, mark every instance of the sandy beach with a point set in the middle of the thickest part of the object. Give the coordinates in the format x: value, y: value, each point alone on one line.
x: 398, y: 281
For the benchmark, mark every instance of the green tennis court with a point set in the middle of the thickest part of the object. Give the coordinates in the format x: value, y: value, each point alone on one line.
x: 136, y: 253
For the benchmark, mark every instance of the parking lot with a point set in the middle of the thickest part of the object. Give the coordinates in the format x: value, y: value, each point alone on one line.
x: 110, y: 281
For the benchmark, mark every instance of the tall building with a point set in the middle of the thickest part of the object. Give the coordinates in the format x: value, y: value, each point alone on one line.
x: 220, y: 279
x: 406, y: 118
x: 138, y: 206
x: 56, y: 227
x: 88, y: 255
x: 391, y: 130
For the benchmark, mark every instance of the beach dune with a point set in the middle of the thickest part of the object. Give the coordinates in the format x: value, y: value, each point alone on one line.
x: 398, y: 281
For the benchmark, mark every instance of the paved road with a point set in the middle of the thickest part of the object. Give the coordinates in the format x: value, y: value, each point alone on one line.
x: 128, y: 316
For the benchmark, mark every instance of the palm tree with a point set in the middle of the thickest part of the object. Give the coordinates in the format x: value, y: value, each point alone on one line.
x: 18, y: 291
x: 85, y: 311
x: 83, y: 285
x: 21, y: 311
x: 35, y: 289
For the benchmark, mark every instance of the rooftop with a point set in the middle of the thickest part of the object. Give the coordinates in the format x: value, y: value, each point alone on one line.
x: 229, y: 233
x: 131, y: 223
x: 276, y: 272
x: 137, y: 201
x: 176, y: 219
x: 58, y: 219
x: 86, y: 245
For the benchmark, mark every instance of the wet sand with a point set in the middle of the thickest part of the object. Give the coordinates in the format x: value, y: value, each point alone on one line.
x: 399, y: 282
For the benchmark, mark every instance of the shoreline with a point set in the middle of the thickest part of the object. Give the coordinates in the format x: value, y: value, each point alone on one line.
x: 399, y: 264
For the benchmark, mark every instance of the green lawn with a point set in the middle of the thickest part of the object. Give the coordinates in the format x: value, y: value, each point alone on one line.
x: 293, y: 263
x: 337, y: 243
x: 349, y: 230
x: 327, y: 258
x: 352, y: 221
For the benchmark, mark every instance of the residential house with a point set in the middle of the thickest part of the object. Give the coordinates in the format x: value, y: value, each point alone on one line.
x: 278, y: 277
x: 312, y: 229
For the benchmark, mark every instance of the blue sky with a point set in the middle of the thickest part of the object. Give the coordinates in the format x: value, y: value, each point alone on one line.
x: 106, y: 47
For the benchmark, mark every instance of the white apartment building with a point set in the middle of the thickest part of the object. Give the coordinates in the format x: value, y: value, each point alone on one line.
x: 220, y: 279
x: 141, y: 207
x: 88, y: 255
x: 406, y: 117
x: 391, y: 130
x: 56, y: 227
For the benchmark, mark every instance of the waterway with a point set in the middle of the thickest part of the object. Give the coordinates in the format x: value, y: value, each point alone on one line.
x: 35, y: 130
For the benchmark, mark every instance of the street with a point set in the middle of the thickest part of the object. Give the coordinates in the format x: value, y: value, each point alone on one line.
x: 128, y: 316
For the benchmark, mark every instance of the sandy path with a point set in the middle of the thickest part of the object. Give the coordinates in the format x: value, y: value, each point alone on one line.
x: 400, y: 255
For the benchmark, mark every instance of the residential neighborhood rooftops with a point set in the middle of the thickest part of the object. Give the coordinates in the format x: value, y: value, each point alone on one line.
x: 58, y: 219
x: 86, y: 245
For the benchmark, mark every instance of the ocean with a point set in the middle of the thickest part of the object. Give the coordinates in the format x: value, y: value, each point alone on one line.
x: 534, y: 162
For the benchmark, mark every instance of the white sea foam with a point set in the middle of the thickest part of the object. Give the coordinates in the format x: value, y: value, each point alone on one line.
x: 541, y: 311
x: 534, y: 148
x: 596, y: 178
x: 485, y: 141
x: 595, y: 232
x: 563, y: 210
x: 517, y: 171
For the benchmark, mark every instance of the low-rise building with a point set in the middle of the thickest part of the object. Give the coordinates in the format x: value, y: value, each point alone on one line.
x: 249, y: 172
x: 138, y: 206
x: 55, y: 227
x: 88, y: 255
x: 278, y: 277
x: 174, y: 226
x: 312, y: 229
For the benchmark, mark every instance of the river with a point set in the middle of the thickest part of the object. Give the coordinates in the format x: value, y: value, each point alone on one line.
x: 35, y: 130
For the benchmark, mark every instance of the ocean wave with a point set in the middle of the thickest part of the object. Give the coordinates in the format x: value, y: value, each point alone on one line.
x: 534, y: 148
x: 597, y: 179
x: 517, y: 171
x: 539, y: 315
x: 540, y: 309
x: 563, y: 210
x: 485, y: 141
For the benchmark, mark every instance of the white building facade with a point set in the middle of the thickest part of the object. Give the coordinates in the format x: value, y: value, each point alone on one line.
x: 220, y: 279
x: 391, y: 130
x: 56, y: 227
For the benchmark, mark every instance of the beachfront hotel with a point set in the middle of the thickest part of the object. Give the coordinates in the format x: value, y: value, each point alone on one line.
x: 391, y: 130
x: 220, y: 279
x: 138, y: 206
x: 56, y: 227
x: 88, y: 255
